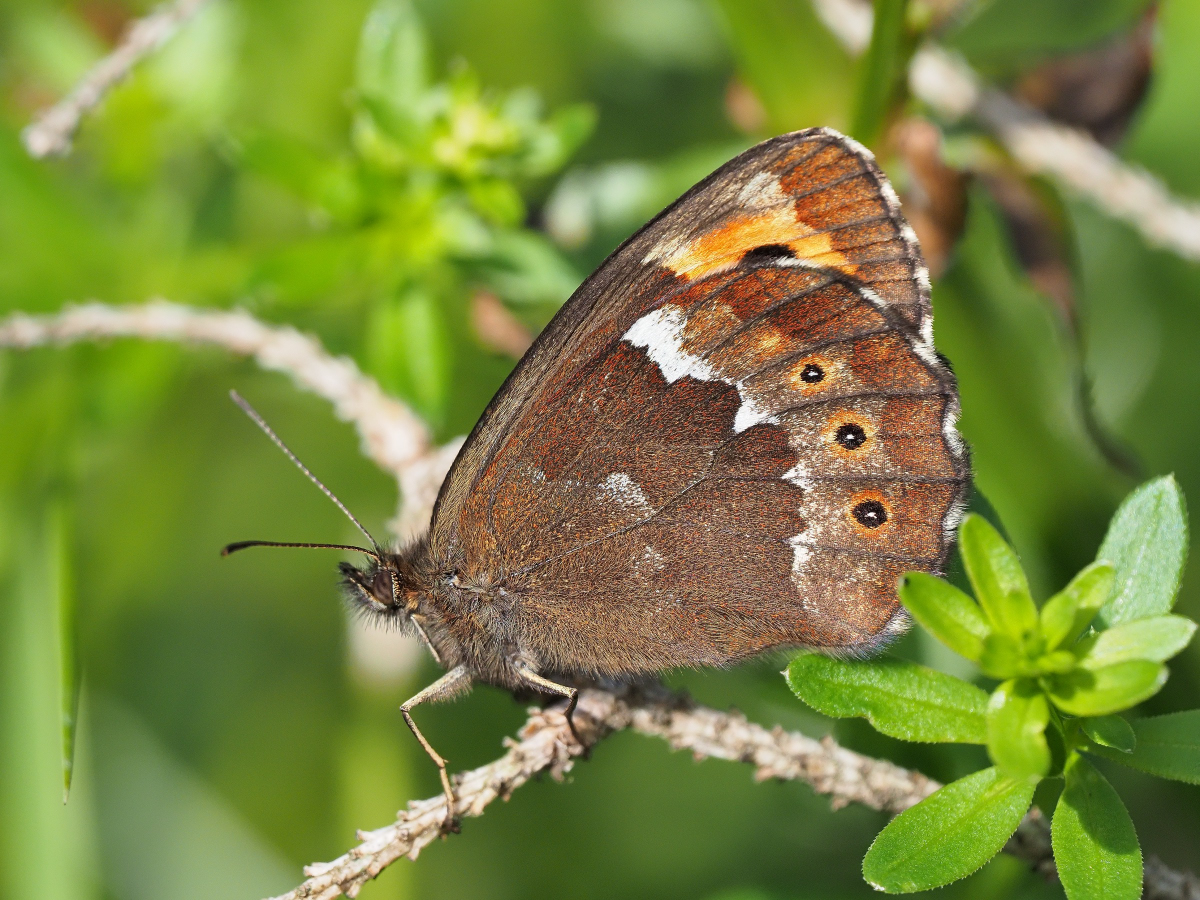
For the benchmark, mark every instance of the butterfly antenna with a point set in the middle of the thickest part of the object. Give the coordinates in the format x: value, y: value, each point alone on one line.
x: 242, y: 545
x: 261, y: 423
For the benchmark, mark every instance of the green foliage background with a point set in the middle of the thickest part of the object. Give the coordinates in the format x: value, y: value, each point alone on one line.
x: 225, y: 738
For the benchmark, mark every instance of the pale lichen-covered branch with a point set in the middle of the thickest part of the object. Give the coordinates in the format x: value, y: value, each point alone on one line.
x: 546, y: 745
x: 393, y: 437
x: 51, y: 132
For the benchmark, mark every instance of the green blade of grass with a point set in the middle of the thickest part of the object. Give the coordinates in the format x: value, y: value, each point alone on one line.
x: 63, y: 588
x: 881, y: 82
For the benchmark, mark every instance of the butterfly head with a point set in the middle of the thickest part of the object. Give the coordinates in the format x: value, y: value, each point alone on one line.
x: 383, y: 588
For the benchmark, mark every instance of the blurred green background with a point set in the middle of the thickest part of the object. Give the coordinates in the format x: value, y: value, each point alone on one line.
x: 421, y: 187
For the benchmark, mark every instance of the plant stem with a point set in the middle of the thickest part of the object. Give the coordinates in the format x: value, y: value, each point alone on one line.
x: 881, y: 82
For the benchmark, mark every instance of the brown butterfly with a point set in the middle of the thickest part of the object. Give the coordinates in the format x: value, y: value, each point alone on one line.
x: 735, y: 436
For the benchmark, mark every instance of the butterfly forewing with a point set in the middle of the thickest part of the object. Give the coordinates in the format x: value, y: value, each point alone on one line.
x: 736, y: 435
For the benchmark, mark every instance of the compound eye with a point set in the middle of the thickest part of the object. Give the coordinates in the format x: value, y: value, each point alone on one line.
x: 382, y: 588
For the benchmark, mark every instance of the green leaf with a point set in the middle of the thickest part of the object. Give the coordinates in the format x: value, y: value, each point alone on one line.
x: 1058, y: 661
x: 497, y: 200
x: 1147, y: 544
x: 1045, y: 798
x: 1068, y: 613
x: 1017, y: 716
x: 996, y: 575
x: 1099, y: 692
x: 900, y: 698
x: 1095, y: 846
x: 1156, y: 639
x: 523, y: 267
x: 1110, y: 731
x: 330, y: 184
x: 949, y: 834
x: 387, y: 134
x: 880, y: 85
x: 562, y: 135
x: 1003, y: 657
x: 977, y: 504
x: 408, y: 349
x: 946, y: 612
x: 393, y: 56
x: 1167, y: 746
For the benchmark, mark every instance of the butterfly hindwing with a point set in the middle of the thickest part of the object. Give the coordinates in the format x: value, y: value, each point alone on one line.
x: 735, y: 435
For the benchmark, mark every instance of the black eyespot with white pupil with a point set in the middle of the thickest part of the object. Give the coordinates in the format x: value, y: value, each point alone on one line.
x: 870, y: 513
x: 851, y: 436
x: 812, y: 373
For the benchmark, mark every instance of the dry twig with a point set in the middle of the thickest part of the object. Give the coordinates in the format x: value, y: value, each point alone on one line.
x: 51, y: 132
x: 1068, y: 155
x: 546, y: 746
x: 396, y: 440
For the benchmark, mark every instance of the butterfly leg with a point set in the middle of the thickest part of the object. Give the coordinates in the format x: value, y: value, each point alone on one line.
x: 454, y: 681
x: 534, y: 680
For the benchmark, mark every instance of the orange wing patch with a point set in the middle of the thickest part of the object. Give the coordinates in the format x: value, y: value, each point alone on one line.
x: 720, y: 249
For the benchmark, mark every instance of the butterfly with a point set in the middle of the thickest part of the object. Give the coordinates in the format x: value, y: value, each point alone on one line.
x: 734, y: 437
